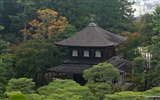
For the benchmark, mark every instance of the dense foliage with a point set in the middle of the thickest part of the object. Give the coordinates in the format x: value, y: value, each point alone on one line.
x: 99, y: 79
x: 65, y: 90
x: 32, y: 57
x: 70, y: 90
x: 112, y: 15
x: 101, y: 73
x: 23, y: 85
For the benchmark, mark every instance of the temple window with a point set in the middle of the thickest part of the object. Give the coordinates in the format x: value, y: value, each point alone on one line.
x: 86, y: 53
x: 97, y: 54
x: 74, y: 53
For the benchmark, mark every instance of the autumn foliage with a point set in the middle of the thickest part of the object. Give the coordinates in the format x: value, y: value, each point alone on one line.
x: 47, y: 25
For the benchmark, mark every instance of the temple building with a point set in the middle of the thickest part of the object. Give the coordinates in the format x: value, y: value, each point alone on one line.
x: 88, y: 47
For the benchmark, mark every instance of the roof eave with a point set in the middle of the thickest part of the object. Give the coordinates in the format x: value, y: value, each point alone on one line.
x: 83, y: 45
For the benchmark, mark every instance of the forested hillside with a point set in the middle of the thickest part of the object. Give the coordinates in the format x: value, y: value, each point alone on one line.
x: 29, y: 29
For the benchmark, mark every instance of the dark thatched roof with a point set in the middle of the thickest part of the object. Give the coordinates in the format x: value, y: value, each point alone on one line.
x: 118, y: 62
x: 93, y: 36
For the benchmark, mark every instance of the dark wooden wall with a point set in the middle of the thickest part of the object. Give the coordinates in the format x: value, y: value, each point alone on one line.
x: 106, y: 53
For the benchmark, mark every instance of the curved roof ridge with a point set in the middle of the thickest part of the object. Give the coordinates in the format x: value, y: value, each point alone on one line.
x: 93, y: 37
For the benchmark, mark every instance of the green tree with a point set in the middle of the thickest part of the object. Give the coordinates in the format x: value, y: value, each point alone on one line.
x: 152, y: 92
x: 3, y: 46
x: 1, y: 27
x: 140, y: 72
x: 14, y: 95
x: 3, y: 79
x: 44, y: 4
x: 5, y: 12
x: 146, y: 31
x: 100, y: 89
x: 7, y: 62
x: 24, y: 85
x: 65, y: 90
x: 101, y: 73
x: 129, y: 47
x: 97, y: 76
x: 68, y: 32
x: 153, y: 48
x: 153, y: 76
x: 128, y: 95
x: 74, y: 11
x: 33, y: 56
x: 140, y: 66
x: 34, y: 97
x: 156, y: 21
x: 1, y: 5
x: 23, y: 15
x: 6, y: 72
x: 17, y: 95
x: 108, y: 13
